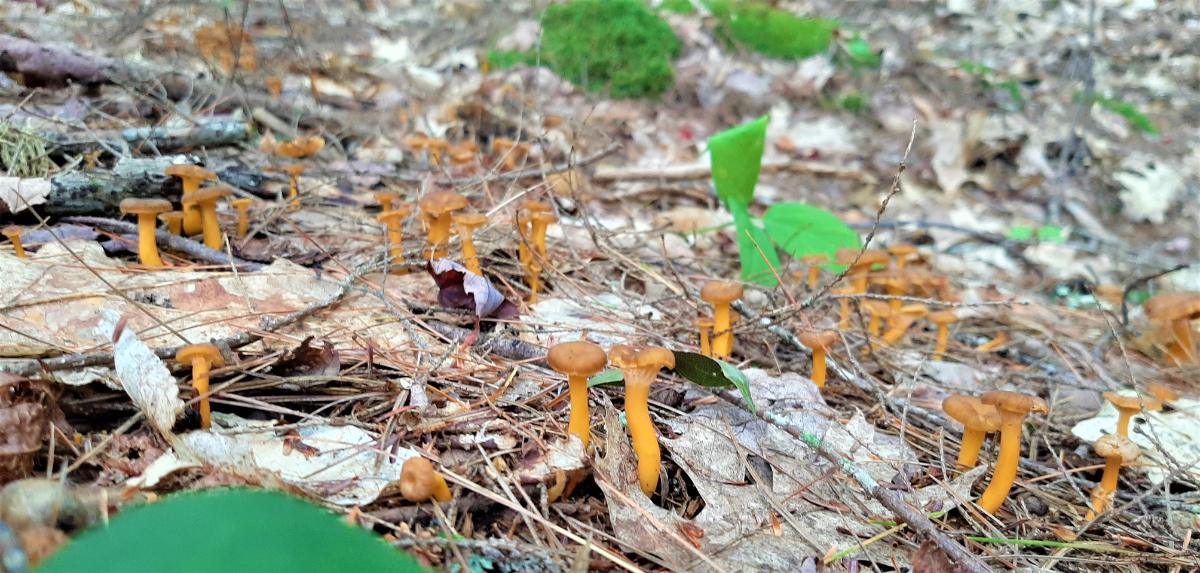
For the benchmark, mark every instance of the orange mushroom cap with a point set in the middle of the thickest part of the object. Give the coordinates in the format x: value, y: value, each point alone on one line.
x: 300, y: 147
x: 145, y: 206
x: 1014, y: 402
x: 194, y: 172
x: 1173, y: 306
x: 470, y: 220
x: 721, y: 292
x: 191, y: 352
x: 972, y: 412
x: 820, y: 339
x: 441, y: 202
x: 1113, y: 445
x: 943, y: 317
x: 578, y: 358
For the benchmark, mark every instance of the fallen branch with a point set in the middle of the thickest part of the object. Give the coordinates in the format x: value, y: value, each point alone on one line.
x: 704, y: 171
x: 171, y: 242
x: 208, y: 133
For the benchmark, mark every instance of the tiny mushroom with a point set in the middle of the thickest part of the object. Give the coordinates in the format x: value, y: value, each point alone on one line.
x: 386, y: 199
x: 895, y: 285
x: 943, y: 319
x: 201, y: 357
x: 1163, y: 392
x: 1176, y: 311
x: 1116, y: 451
x: 640, y: 365
x: 820, y: 342
x: 901, y: 320
x: 466, y: 223
x: 242, y: 205
x: 174, y: 221
x: 978, y: 420
x: 813, y: 271
x: 394, y: 219
x: 860, y: 265
x: 294, y: 172
x: 525, y: 212
x: 438, y: 207
x: 540, y: 221
x: 578, y: 360
x: 301, y: 147
x: 419, y: 482
x: 205, y: 200
x: 147, y: 211
x: 1129, y: 405
x: 1013, y: 408
x: 877, y: 311
x: 844, y: 294
x: 901, y: 251
x: 13, y: 233
x: 192, y: 176
x: 721, y: 295
x: 704, y: 324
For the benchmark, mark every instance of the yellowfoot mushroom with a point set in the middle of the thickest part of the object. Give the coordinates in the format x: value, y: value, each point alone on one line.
x: 13, y: 233
x: 242, y: 205
x: 578, y: 360
x: 704, y: 324
x: 205, y: 200
x: 942, y: 319
x: 1176, y: 311
x: 819, y: 342
x: 721, y: 295
x: 640, y: 365
x: 1013, y: 408
x: 1128, y: 406
x: 174, y: 221
x: 191, y: 176
x: 438, y: 208
x: 978, y: 420
x: 420, y: 483
x: 394, y: 220
x: 201, y: 357
x: 147, y: 211
x: 466, y: 223
x: 1116, y: 451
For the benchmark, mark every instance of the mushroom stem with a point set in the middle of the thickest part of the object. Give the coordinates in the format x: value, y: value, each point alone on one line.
x: 579, y: 423
x: 1124, y: 415
x: 174, y: 221
x: 943, y: 339
x: 200, y: 374
x: 1006, y: 462
x: 705, y: 346
x: 535, y: 280
x: 641, y: 428
x: 212, y: 227
x: 1108, y: 484
x: 243, y: 211
x: 844, y: 313
x: 1182, y: 331
x: 14, y: 235
x: 147, y: 243
x: 814, y: 274
x: 818, y: 368
x: 972, y: 442
x: 722, y: 343
x: 439, y: 235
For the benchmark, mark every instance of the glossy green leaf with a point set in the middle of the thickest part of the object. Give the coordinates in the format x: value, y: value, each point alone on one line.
x: 751, y: 239
x: 803, y: 230
x: 736, y: 160
x: 228, y: 530
x: 861, y: 54
x: 611, y: 376
x: 712, y: 373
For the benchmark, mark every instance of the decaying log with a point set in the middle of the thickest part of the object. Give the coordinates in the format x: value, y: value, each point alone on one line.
x: 151, y: 139
x: 101, y: 192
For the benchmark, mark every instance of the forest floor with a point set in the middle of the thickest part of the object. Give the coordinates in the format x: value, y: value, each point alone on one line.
x: 1043, y: 157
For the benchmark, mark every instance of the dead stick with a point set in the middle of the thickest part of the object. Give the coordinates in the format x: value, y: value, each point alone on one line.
x: 704, y: 171
x: 165, y: 238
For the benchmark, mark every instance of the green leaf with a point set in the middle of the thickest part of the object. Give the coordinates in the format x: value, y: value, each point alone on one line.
x: 861, y: 54
x: 611, y: 376
x: 750, y: 239
x: 737, y: 159
x: 1123, y: 108
x: 228, y: 530
x: 1020, y: 233
x: 712, y: 373
x: 806, y: 230
x: 1050, y: 234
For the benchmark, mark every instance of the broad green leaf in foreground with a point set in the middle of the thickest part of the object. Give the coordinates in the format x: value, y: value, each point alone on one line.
x: 228, y: 530
x: 736, y: 162
x: 806, y: 230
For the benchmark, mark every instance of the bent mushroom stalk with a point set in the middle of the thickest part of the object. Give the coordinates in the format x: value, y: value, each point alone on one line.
x: 419, y: 482
x: 1116, y: 451
x: 978, y: 420
x: 1013, y: 408
x: 393, y: 220
x: 640, y: 365
x: 201, y: 357
x: 704, y: 324
x: 294, y: 172
x: 813, y: 272
x: 1130, y: 405
x: 242, y: 206
x: 943, y: 319
x: 577, y: 361
x: 147, y: 211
